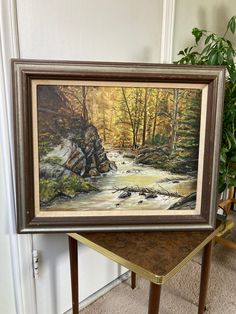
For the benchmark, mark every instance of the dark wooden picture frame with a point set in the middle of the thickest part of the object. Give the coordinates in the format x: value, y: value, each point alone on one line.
x: 33, y: 83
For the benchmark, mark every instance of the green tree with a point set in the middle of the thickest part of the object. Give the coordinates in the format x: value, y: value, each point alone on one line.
x: 187, y: 134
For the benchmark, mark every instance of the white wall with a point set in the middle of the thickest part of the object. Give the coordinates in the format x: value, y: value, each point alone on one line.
x: 119, y: 30
x: 211, y: 15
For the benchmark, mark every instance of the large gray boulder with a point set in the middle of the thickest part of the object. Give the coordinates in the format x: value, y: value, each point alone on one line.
x: 152, y: 155
x: 64, y: 159
x: 86, y: 157
x: 96, y: 158
x: 187, y: 202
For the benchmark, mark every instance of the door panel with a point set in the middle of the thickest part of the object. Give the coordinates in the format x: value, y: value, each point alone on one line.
x: 83, y: 30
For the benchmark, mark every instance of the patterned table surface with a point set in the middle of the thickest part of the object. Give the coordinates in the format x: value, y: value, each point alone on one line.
x: 154, y: 255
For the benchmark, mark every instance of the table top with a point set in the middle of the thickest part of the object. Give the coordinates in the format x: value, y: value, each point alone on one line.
x: 154, y: 255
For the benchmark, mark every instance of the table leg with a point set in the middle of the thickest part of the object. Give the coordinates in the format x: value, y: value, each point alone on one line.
x: 205, y: 271
x: 73, y: 249
x: 154, y: 298
x: 133, y: 280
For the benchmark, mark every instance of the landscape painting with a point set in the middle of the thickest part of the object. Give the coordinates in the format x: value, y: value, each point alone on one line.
x: 103, y: 146
x: 117, y: 147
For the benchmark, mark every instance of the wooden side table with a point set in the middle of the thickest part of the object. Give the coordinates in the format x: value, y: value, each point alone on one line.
x: 156, y: 256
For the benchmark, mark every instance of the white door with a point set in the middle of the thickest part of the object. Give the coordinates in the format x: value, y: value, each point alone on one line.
x: 82, y: 30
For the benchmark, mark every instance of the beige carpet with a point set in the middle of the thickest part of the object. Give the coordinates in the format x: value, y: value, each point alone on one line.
x: 180, y: 294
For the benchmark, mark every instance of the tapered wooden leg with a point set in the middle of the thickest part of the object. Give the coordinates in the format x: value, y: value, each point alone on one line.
x: 73, y: 249
x: 154, y: 298
x: 205, y: 271
x: 133, y: 280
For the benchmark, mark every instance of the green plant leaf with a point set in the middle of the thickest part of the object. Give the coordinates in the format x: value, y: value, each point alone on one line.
x: 206, y: 49
x: 197, y: 33
x: 228, y: 140
x: 181, y: 53
x: 233, y: 158
x: 233, y: 76
x: 223, y: 156
x: 232, y: 182
x: 213, y: 57
x: 221, y: 184
x: 232, y: 24
x: 230, y: 45
x: 209, y: 37
x: 232, y: 170
x: 220, y: 58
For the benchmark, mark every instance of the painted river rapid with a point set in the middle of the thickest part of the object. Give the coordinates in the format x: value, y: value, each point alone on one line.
x: 130, y: 174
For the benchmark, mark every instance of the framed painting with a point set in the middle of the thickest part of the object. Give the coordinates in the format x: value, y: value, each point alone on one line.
x: 116, y: 146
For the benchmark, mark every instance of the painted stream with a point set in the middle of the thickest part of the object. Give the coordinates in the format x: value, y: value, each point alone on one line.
x: 130, y: 174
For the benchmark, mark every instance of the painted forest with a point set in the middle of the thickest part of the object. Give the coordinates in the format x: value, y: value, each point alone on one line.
x: 123, y: 139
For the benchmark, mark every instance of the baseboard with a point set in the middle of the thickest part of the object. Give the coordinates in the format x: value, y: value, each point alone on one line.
x: 98, y: 294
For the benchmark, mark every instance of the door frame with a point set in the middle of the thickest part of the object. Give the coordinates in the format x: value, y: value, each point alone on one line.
x: 20, y: 246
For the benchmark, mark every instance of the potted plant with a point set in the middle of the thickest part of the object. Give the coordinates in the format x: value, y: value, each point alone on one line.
x: 213, y: 49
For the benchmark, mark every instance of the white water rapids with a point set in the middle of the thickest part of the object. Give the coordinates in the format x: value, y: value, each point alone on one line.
x: 129, y: 174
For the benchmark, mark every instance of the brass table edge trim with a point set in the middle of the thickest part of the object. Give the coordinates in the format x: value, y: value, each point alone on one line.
x: 190, y: 256
x: 160, y: 280
x: 120, y: 260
